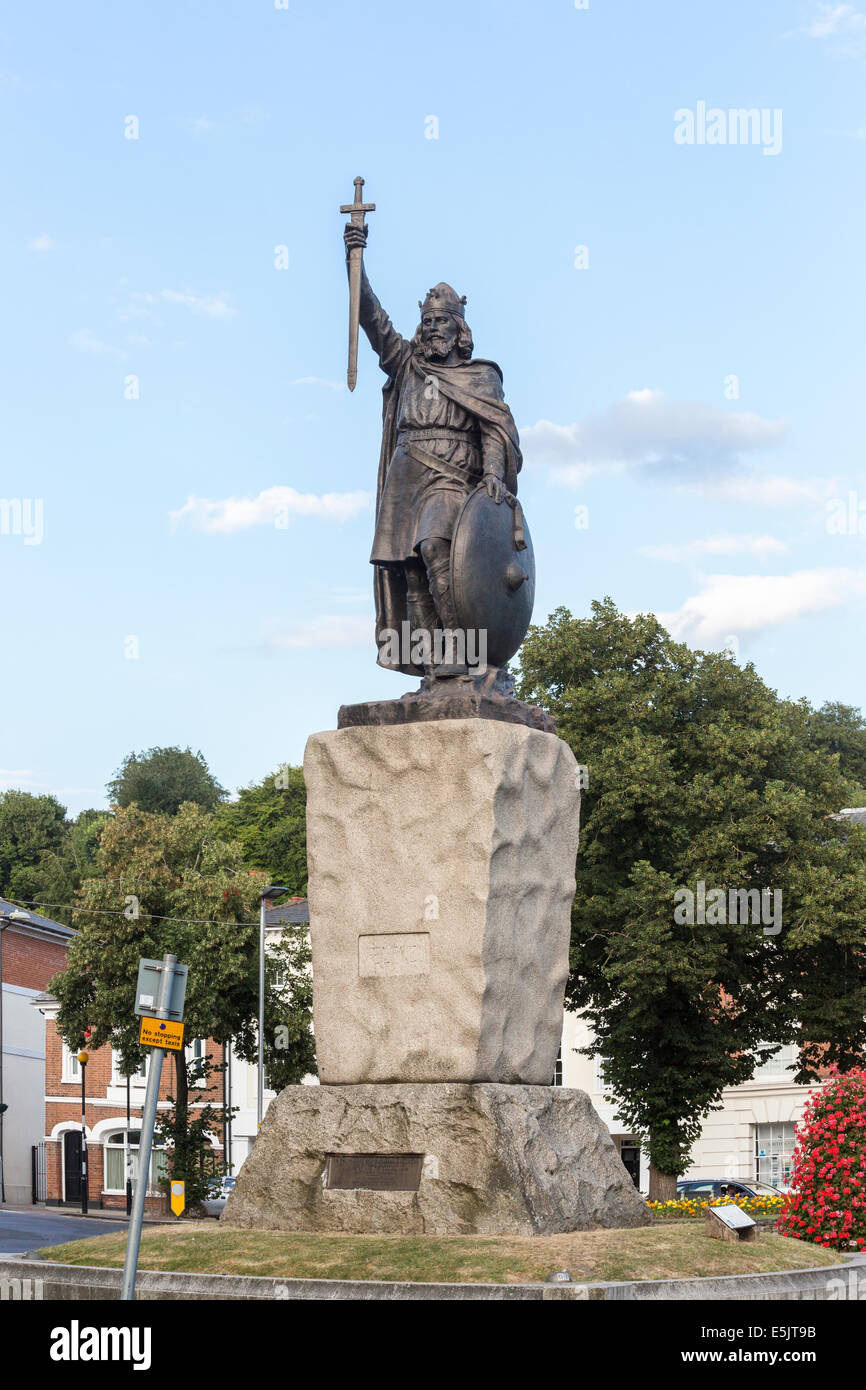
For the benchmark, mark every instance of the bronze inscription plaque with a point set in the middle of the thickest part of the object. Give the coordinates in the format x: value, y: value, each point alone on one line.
x: 381, y: 1172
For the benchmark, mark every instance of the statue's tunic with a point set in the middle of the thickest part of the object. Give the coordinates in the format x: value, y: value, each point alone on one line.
x: 417, y: 502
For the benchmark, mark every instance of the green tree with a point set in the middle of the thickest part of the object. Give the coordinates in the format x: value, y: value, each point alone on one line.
x: 290, y: 1052
x: 697, y: 774
x: 269, y: 820
x: 168, y: 883
x: 841, y: 729
x: 82, y: 835
x: 162, y: 779
x: 35, y: 863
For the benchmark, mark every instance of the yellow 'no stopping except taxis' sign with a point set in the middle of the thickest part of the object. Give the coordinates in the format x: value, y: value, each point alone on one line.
x: 161, y: 1032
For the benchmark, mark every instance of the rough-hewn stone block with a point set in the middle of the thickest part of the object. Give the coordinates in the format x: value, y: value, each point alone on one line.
x: 518, y: 1160
x: 441, y: 877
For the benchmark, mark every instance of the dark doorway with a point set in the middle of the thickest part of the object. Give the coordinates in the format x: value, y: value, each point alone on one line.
x: 72, y: 1165
x: 630, y: 1155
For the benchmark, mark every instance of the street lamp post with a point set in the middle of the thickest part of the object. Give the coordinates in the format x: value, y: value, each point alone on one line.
x: 127, y: 1152
x: 83, y: 1059
x: 6, y: 920
x: 274, y: 891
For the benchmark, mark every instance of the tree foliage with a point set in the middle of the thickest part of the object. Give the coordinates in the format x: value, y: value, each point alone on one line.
x: 269, y: 821
x: 161, y: 780
x: 35, y: 862
x: 841, y: 729
x: 698, y: 773
x: 169, y: 883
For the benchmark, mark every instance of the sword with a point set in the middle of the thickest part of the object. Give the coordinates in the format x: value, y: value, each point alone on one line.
x: 356, y: 255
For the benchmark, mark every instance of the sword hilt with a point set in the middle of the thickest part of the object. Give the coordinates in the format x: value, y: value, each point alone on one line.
x: 358, y: 207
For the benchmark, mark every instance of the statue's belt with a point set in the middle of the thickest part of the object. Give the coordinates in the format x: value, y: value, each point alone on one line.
x: 463, y: 476
x: 466, y: 477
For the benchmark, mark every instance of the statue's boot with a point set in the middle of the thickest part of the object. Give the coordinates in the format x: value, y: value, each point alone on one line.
x: 422, y: 611
x: 439, y: 575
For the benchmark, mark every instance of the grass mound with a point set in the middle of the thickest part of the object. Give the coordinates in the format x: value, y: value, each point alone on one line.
x: 647, y: 1252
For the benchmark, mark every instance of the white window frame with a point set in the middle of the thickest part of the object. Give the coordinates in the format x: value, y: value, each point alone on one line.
x: 121, y: 1147
x: 599, y: 1085
x: 189, y: 1053
x: 71, y: 1067
x: 138, y: 1078
x: 779, y: 1067
x: 781, y: 1135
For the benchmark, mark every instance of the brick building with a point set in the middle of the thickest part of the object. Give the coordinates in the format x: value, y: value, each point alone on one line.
x: 105, y: 1115
x: 32, y: 951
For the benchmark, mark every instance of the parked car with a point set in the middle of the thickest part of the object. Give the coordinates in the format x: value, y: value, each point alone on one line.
x: 217, y: 1195
x: 713, y: 1188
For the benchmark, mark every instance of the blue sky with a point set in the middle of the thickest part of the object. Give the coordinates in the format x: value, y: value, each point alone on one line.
x: 153, y: 259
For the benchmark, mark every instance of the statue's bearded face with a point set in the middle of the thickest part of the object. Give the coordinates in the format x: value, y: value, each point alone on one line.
x: 438, y: 334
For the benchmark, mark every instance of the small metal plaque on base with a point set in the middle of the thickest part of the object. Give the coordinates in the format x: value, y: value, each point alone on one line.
x: 379, y: 1172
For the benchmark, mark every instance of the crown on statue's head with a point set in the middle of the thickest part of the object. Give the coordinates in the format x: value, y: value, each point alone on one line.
x: 442, y: 299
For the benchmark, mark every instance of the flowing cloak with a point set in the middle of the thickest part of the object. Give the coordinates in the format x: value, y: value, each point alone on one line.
x: 476, y: 386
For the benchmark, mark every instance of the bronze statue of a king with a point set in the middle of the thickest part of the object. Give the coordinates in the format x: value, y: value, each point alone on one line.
x: 454, y: 573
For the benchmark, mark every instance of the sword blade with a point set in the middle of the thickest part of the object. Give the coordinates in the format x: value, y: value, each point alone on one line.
x: 355, y: 256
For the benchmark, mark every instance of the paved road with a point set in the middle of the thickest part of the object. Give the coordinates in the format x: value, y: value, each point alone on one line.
x: 21, y: 1231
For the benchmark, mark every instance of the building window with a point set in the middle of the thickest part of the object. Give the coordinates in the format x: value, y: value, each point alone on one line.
x: 71, y: 1066
x: 774, y: 1152
x: 557, y: 1070
x: 115, y: 1172
x: 629, y: 1152
x: 778, y: 1067
x: 118, y: 1077
x: 599, y: 1081
x: 196, y: 1056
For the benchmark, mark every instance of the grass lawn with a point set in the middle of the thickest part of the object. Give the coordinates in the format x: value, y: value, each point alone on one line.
x: 645, y: 1253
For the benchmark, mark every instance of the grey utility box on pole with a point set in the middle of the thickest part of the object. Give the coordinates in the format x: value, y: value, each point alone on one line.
x: 150, y: 973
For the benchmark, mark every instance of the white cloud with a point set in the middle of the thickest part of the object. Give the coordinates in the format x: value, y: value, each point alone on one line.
x: 139, y: 306
x: 319, y: 381
x: 43, y: 243
x: 272, y: 505
x: 768, y: 490
x: 11, y: 778
x: 843, y: 25
x: 761, y: 546
x: 831, y: 21
x: 741, y: 604
x: 216, y: 306
x: 646, y: 430
x: 85, y: 341
x: 334, y: 630
x: 201, y: 125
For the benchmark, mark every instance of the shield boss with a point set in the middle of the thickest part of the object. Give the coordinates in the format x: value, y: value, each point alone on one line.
x: 492, y: 580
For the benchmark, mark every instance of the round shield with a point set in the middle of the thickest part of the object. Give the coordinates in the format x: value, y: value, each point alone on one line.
x: 493, y: 573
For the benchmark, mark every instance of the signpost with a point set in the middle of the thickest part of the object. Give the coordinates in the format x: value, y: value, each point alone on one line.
x: 178, y: 1197
x: 162, y: 1033
x: 730, y: 1222
x: 159, y: 997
